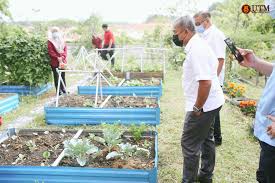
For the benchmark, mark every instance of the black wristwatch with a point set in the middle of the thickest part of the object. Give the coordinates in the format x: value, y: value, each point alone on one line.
x: 195, y: 109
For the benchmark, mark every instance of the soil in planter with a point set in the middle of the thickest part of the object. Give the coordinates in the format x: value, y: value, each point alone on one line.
x: 142, y: 82
x: 129, y: 163
x: 115, y: 101
x: 51, y: 142
x: 132, y: 82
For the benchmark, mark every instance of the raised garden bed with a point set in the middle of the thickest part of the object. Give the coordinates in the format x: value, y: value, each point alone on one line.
x: 8, y: 102
x: 130, y: 82
x: 79, y: 110
x: 118, y: 101
x: 139, y: 75
x: 133, y: 169
x: 25, y: 90
x: 150, y: 91
x: 94, y: 116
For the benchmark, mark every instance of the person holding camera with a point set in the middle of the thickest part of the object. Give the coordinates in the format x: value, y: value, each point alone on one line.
x: 57, y: 50
x: 264, y: 126
x: 203, y: 100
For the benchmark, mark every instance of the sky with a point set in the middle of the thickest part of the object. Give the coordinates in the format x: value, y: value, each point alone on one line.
x: 128, y: 11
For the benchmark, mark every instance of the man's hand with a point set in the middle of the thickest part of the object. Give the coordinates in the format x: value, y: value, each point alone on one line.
x: 271, y: 128
x: 249, y: 58
x: 196, y: 113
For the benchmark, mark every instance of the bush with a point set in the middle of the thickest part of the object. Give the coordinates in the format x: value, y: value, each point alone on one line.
x: 24, y: 60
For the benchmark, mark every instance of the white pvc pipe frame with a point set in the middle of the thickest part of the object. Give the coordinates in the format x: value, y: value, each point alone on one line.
x: 160, y: 51
x: 60, y: 80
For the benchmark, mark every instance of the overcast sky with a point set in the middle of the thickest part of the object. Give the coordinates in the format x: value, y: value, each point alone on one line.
x: 131, y: 11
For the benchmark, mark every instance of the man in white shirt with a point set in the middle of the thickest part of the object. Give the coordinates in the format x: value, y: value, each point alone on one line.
x: 203, y: 100
x: 215, y: 38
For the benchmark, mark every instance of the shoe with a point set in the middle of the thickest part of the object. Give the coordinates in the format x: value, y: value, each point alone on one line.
x: 202, y: 179
x: 218, y: 141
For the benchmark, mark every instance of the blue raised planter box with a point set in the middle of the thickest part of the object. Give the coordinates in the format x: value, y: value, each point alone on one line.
x: 37, y: 174
x: 95, y: 116
x: 25, y: 174
x: 9, y: 103
x: 25, y: 90
x: 145, y: 91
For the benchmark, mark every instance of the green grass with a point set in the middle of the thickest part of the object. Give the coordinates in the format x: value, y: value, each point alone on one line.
x: 27, y: 103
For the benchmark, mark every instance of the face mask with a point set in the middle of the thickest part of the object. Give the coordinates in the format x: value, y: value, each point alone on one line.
x: 55, y: 35
x: 176, y: 41
x: 200, y: 29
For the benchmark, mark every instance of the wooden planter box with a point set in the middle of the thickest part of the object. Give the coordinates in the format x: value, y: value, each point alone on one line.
x: 10, y: 102
x: 58, y: 174
x: 25, y: 90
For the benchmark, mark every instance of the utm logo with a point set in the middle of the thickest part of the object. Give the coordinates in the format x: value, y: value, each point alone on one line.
x: 259, y: 8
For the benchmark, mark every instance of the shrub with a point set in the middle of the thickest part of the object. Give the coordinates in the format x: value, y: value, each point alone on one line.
x: 24, y: 60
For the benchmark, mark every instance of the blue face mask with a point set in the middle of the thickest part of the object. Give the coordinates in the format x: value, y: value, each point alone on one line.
x: 200, y: 29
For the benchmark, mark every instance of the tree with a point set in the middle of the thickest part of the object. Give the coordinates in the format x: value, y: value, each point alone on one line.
x: 4, y: 9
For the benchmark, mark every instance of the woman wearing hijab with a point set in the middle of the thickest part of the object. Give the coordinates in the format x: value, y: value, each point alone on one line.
x: 57, y: 50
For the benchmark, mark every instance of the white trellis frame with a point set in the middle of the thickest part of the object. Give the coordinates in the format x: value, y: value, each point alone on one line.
x: 123, y: 50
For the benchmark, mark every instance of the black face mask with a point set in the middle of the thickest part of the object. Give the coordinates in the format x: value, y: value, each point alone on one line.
x: 177, y: 41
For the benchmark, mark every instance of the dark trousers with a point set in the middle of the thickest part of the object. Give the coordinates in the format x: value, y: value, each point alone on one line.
x: 217, y: 128
x: 104, y: 54
x: 266, y: 171
x: 55, y: 77
x: 198, y: 143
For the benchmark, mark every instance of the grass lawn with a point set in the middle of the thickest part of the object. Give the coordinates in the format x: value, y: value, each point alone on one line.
x: 237, y: 158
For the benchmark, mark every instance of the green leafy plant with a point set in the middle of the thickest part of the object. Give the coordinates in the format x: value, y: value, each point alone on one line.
x: 137, y: 131
x: 24, y: 60
x: 127, y: 150
x: 46, y: 155
x: 31, y: 145
x: 134, y: 83
x: 88, y: 103
x: 112, y: 135
x: 80, y: 149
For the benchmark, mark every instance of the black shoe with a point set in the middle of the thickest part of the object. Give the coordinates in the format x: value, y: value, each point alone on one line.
x: 218, y: 141
x: 202, y: 179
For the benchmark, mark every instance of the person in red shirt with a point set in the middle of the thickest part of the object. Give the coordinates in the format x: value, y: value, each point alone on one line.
x: 109, y: 44
x: 96, y: 42
x: 57, y: 50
